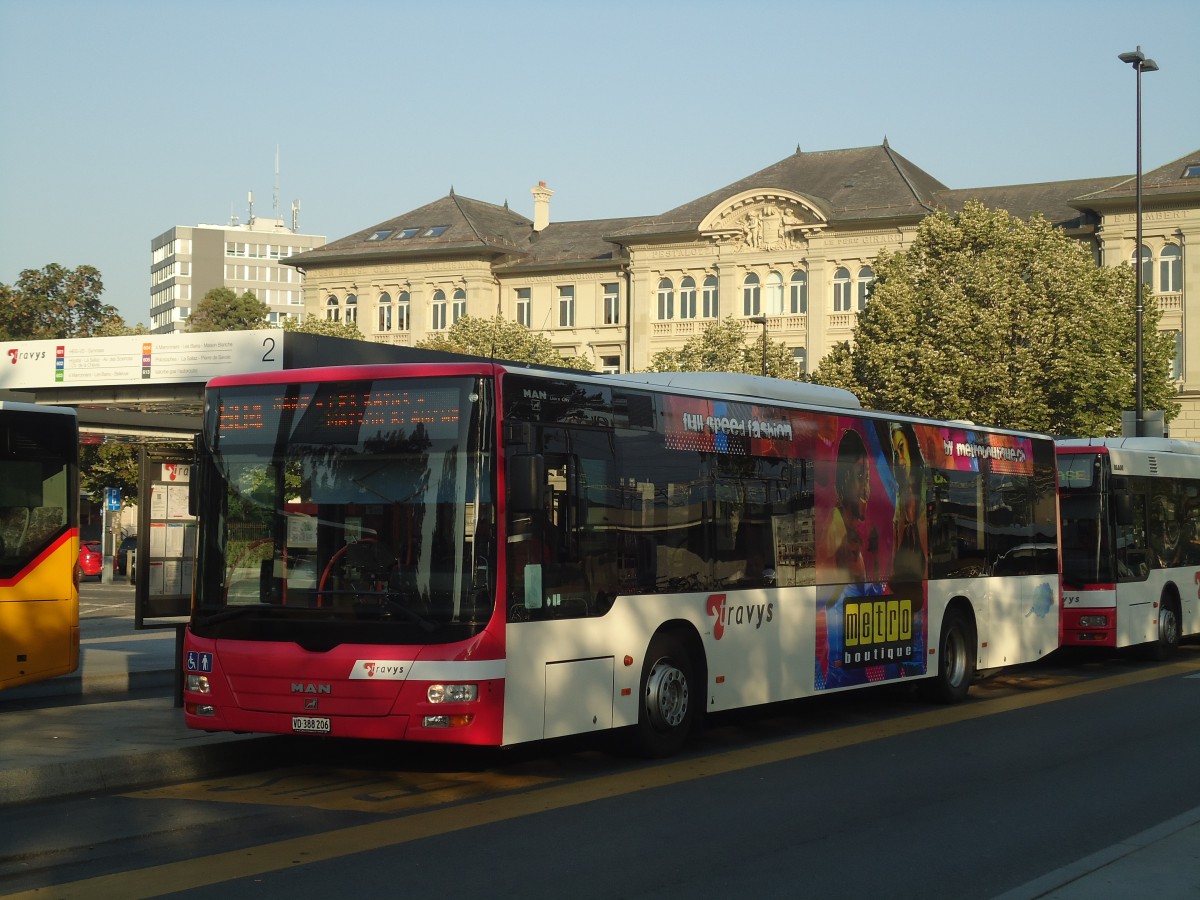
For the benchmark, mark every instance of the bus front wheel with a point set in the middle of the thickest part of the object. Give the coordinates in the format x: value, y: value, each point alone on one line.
x: 667, y: 709
x: 955, y: 659
x: 1168, y: 631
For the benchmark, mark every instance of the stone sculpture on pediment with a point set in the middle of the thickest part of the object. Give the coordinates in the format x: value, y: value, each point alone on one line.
x: 763, y: 225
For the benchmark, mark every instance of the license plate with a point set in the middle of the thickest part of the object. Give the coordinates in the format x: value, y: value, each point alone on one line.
x: 310, y: 724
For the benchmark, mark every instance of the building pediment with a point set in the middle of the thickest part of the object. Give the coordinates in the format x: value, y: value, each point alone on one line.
x: 763, y: 220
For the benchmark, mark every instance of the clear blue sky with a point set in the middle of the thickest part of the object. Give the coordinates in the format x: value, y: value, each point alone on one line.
x: 122, y: 118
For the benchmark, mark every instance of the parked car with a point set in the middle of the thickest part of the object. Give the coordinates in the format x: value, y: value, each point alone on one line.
x: 91, y: 560
x: 121, y: 566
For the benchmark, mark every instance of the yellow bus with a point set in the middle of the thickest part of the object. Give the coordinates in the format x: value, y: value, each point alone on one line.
x: 39, y: 543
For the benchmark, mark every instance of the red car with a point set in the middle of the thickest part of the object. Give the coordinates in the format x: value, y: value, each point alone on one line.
x: 91, y: 562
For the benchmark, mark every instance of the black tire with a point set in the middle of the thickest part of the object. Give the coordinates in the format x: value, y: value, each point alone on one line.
x: 1167, y: 642
x: 955, y: 661
x: 667, y: 710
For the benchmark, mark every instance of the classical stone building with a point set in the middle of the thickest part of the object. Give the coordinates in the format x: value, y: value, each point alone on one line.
x: 793, y: 243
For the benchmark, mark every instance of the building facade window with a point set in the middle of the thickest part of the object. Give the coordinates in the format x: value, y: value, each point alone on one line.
x: 751, y: 296
x: 687, y: 298
x: 709, y: 297
x: 402, y: 304
x: 523, y: 303
x: 841, y: 290
x: 666, y: 300
x: 459, y: 307
x: 773, y: 301
x: 351, y: 308
x: 798, y: 295
x: 385, y: 311
x: 1170, y: 270
x: 612, y: 303
x: 438, y: 310
x: 610, y: 365
x: 800, y: 356
x: 566, y: 306
x: 1177, y: 360
x: 866, y: 278
x: 1146, y: 272
x: 333, y: 312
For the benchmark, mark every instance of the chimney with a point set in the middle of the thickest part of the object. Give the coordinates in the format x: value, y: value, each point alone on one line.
x: 541, y: 205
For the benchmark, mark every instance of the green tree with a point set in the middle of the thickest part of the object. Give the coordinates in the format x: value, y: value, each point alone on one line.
x: 222, y: 310
x: 316, y: 325
x: 1003, y: 322
x: 728, y: 346
x: 500, y: 338
x: 109, y: 465
x: 56, y: 302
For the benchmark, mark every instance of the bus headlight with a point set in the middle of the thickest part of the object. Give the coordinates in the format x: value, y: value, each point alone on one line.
x: 452, y: 693
x: 1093, y: 621
x: 199, y: 684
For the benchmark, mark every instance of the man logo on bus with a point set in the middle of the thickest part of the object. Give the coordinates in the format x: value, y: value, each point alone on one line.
x: 739, y: 614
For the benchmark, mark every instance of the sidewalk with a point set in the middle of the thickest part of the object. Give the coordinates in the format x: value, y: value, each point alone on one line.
x: 113, y: 726
x: 110, y: 726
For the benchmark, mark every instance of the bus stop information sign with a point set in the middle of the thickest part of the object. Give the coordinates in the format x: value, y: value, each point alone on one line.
x: 166, y: 539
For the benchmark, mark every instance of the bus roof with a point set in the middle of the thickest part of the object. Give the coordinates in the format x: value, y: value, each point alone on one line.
x: 1133, y: 445
x: 736, y: 384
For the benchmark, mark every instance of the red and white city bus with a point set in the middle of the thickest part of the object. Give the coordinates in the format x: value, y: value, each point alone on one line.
x: 1130, y: 542
x: 489, y: 554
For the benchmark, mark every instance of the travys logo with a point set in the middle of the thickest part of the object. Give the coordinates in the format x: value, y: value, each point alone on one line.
x: 25, y: 356
x: 380, y: 669
x: 725, y: 615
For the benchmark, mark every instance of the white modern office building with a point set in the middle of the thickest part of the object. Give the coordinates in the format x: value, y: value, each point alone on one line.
x: 189, y: 261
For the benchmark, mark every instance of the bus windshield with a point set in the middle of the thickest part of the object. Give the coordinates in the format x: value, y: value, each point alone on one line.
x: 1087, y: 551
x: 366, y: 506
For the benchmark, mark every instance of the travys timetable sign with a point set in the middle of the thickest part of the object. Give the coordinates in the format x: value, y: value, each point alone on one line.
x: 160, y: 358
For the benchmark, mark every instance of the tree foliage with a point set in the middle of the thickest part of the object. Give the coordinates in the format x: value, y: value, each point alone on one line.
x: 500, y: 338
x: 109, y: 465
x: 223, y: 310
x: 56, y: 302
x: 1003, y: 322
x: 728, y: 346
x: 316, y: 325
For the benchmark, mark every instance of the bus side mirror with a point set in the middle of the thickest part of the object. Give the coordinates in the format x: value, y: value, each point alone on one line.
x: 1124, y: 508
x: 526, y: 482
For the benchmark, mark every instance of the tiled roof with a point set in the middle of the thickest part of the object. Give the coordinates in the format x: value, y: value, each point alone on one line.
x: 1053, y: 199
x: 1165, y: 181
x: 470, y: 225
x: 845, y: 185
x: 576, y: 243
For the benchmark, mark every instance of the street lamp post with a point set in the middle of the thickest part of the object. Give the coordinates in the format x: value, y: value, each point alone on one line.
x: 762, y: 320
x: 1140, y: 64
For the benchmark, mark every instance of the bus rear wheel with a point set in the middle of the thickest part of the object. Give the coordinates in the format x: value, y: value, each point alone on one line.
x: 667, y: 709
x: 955, y: 659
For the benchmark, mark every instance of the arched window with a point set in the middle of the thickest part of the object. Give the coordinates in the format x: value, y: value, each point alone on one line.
x: 666, y: 299
x: 332, y: 312
x: 459, y: 308
x: 402, y: 320
x: 799, y: 293
x: 385, y: 311
x: 687, y: 298
x: 841, y: 290
x: 774, y: 294
x: 351, y: 308
x: 1170, y: 270
x: 866, y: 278
x: 751, y: 296
x: 1146, y: 271
x: 712, y: 308
x: 438, y: 317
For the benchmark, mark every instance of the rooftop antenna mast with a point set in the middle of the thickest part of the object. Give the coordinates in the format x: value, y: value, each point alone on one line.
x: 296, y: 216
x: 275, y: 197
x: 250, y: 200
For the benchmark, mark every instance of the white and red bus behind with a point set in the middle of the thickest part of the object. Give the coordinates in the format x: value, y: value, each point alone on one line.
x: 1130, y: 542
